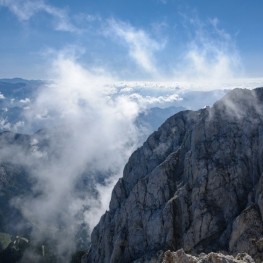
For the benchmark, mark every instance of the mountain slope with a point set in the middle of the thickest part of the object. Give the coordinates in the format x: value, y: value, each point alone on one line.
x: 195, y: 184
x: 22, y: 157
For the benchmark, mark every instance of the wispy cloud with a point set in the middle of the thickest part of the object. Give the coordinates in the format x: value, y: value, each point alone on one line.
x: 211, y: 54
x: 141, y: 45
x: 26, y: 9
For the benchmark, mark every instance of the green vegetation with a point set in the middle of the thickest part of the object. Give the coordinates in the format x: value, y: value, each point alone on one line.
x: 5, y: 240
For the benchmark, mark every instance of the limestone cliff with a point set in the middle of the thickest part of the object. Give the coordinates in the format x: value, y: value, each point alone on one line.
x: 195, y: 184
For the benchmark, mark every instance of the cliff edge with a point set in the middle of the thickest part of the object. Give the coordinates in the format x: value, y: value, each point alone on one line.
x: 195, y: 184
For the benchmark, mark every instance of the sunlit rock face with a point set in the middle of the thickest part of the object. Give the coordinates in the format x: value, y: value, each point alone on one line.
x: 181, y: 257
x: 194, y: 184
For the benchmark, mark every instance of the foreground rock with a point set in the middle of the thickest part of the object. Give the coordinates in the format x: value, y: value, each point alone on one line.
x: 195, y: 184
x: 181, y: 257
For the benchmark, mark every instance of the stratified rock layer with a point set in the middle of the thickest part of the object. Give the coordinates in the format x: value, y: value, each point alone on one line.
x: 195, y: 184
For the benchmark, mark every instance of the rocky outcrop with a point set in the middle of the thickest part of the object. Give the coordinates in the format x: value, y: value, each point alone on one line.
x: 195, y: 184
x: 181, y: 257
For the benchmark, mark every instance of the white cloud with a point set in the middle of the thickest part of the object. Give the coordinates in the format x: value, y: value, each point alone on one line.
x: 92, y: 133
x: 211, y: 55
x: 154, y: 101
x: 26, y: 9
x: 25, y: 101
x: 141, y: 46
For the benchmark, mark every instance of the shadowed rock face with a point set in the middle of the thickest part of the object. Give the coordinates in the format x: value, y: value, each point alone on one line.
x: 195, y: 184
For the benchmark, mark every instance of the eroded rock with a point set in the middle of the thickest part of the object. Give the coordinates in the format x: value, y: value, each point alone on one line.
x: 181, y: 257
x: 194, y: 184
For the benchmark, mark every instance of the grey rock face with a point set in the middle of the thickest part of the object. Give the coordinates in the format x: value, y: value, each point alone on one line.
x: 195, y: 184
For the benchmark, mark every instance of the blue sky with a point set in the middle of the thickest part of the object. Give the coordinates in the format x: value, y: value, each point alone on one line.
x: 134, y: 40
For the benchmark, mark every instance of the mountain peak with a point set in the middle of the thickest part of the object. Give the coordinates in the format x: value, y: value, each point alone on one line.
x: 195, y: 184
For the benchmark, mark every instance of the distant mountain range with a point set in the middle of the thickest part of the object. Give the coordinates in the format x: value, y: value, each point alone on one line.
x: 16, y: 96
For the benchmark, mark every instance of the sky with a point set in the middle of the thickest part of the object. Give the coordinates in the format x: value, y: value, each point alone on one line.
x: 134, y: 40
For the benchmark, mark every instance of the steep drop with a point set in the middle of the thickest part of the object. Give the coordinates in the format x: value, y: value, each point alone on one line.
x: 195, y: 184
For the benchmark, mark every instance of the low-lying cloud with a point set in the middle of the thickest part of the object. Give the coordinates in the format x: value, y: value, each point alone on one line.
x: 90, y: 136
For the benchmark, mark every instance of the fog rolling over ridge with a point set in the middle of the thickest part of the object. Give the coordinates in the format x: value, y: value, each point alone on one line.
x: 83, y: 130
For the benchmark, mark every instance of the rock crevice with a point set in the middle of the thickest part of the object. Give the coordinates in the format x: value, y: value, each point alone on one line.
x: 195, y: 184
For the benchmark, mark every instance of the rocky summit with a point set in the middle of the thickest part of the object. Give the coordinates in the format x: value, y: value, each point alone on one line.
x: 196, y: 184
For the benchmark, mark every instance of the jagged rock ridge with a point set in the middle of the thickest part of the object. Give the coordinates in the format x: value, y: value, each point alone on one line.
x: 195, y: 184
x: 181, y: 257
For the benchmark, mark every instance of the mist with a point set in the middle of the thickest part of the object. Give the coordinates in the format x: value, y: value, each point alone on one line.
x: 82, y: 139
